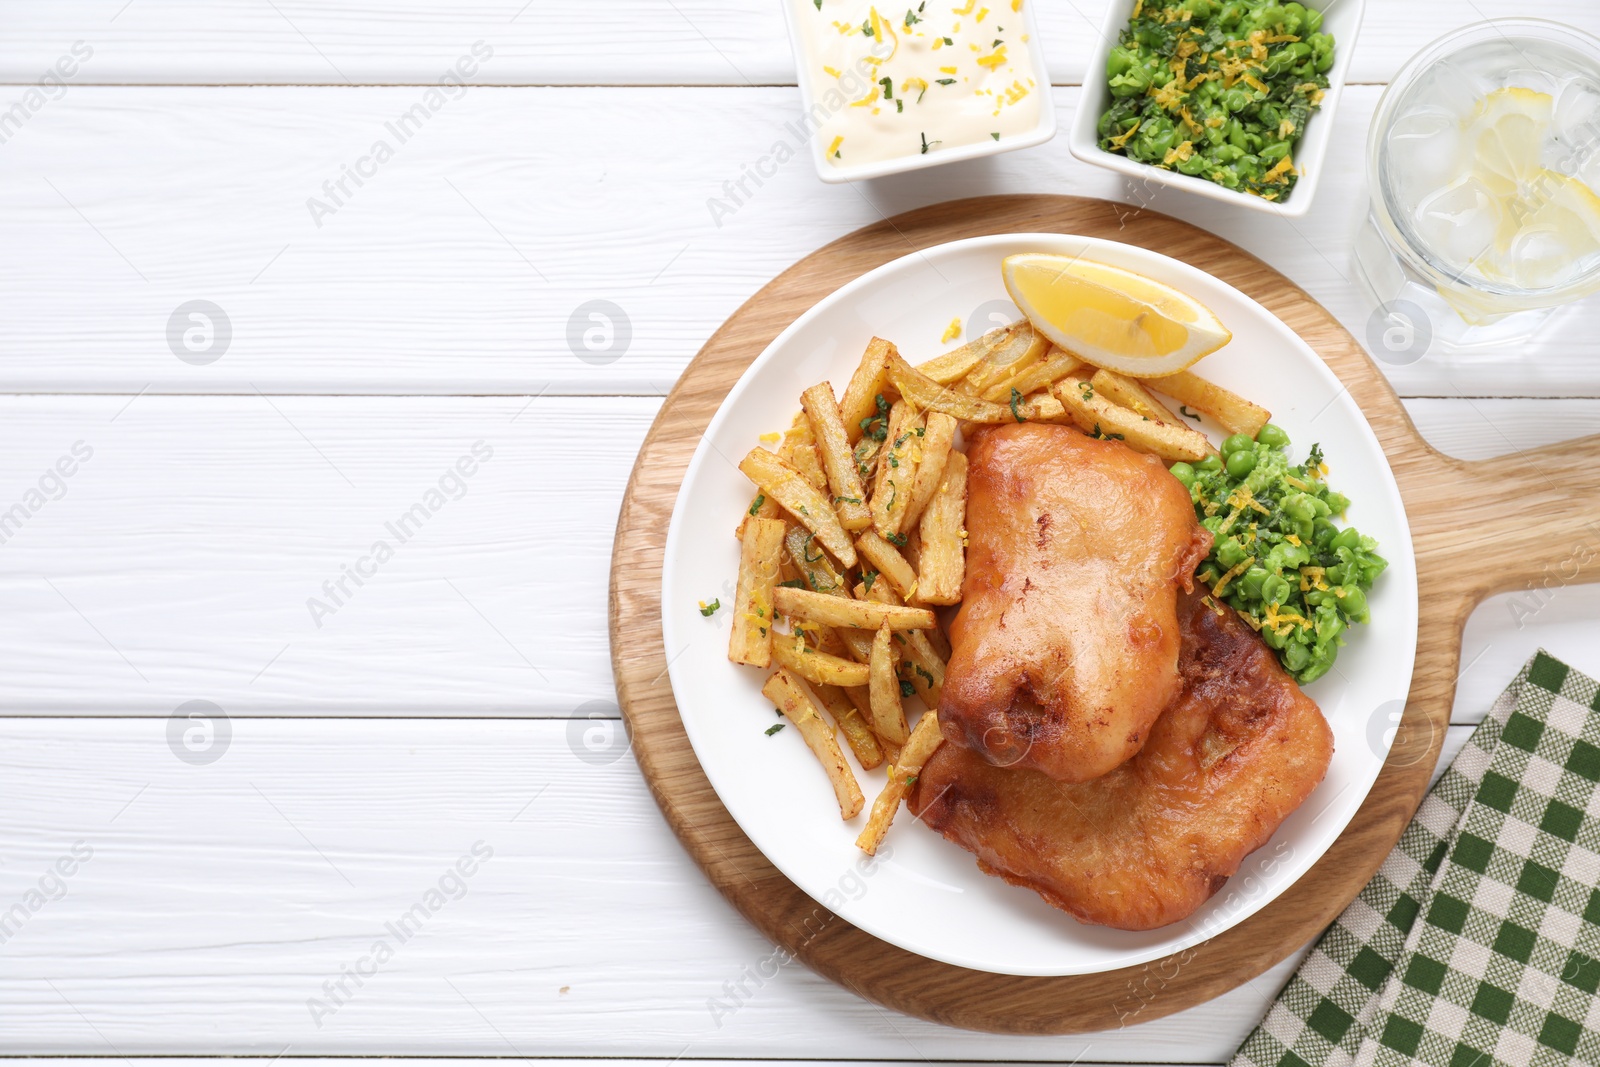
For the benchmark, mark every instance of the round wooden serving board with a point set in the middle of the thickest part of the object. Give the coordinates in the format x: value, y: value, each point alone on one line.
x: 1529, y: 519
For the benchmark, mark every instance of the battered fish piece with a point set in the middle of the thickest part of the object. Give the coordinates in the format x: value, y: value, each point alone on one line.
x: 1147, y: 844
x: 1066, y: 646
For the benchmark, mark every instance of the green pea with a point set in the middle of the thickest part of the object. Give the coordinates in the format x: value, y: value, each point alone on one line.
x: 1322, y: 533
x: 1338, y: 503
x: 1250, y: 584
x: 1230, y: 553
x: 1316, y: 670
x: 1211, y: 463
x: 1296, y: 657
x: 1272, y: 436
x: 1241, y: 463
x: 1349, y: 537
x: 1183, y: 472
x: 1313, y: 20
x: 1300, y: 507
x: 1273, y: 638
x: 1276, y: 589
x: 1235, y: 443
x: 1354, y: 602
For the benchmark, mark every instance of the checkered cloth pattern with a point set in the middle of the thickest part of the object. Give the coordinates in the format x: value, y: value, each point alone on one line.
x: 1478, y: 941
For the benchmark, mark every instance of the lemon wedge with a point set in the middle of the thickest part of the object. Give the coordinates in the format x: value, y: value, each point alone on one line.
x: 1110, y: 317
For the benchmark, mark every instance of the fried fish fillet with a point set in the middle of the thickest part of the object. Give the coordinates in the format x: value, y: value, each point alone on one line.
x: 1147, y: 844
x: 1066, y: 646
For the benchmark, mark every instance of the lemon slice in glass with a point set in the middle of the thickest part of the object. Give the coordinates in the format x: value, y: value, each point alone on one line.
x: 1110, y: 317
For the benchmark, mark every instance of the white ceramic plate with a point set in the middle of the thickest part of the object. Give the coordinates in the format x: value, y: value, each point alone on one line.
x: 925, y: 894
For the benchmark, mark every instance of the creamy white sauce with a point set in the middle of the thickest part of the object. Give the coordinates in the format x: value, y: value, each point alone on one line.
x: 959, y: 72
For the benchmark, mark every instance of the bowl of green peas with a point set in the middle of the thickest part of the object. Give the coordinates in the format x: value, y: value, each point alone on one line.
x: 1232, y: 100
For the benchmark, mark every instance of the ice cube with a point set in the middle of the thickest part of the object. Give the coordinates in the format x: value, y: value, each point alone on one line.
x: 1459, y: 222
x: 1425, y: 152
x: 1540, y: 257
x: 1575, y: 134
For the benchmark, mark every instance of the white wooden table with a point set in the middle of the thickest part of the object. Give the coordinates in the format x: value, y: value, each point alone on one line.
x: 458, y: 698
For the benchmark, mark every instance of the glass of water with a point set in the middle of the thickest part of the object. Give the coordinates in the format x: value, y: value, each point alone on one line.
x: 1484, y: 168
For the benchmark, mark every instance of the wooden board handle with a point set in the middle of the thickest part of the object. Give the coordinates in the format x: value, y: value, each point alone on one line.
x: 1528, y: 520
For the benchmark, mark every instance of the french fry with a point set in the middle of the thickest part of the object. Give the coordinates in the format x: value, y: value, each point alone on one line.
x: 838, y: 461
x: 889, y: 562
x: 785, y: 691
x: 1020, y: 348
x: 811, y: 564
x: 801, y: 499
x: 919, y: 748
x: 925, y: 393
x: 943, y: 562
x: 936, y: 441
x: 1233, y: 411
x: 791, y: 653
x: 751, y: 639
x: 921, y: 664
x: 799, y: 450
x: 857, y: 732
x: 807, y: 606
x: 1096, y: 414
x: 1041, y: 407
x: 761, y: 505
x: 1130, y: 394
x: 897, y: 469
x: 958, y: 363
x: 861, y: 394
x: 1057, y: 364
x: 888, y: 714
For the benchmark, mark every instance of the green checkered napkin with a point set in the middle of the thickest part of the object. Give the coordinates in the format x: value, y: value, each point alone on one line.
x: 1478, y: 941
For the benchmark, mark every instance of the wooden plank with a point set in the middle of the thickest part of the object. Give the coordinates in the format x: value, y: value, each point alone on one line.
x: 103, y: 239
x: 186, y: 558
x: 587, y: 912
x: 688, y: 42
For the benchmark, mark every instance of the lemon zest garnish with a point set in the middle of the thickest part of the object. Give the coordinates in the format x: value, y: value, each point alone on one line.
x: 1294, y: 539
x: 947, y: 70
x: 967, y: 10
x: 1278, y: 173
x: 1121, y: 140
x: 952, y: 331
x: 1182, y: 153
x: 994, y: 60
x: 834, y: 147
x: 871, y: 98
x: 771, y: 438
x: 1231, y: 575
x: 982, y: 11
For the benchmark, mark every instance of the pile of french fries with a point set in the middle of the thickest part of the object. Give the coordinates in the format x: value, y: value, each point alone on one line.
x: 857, y: 533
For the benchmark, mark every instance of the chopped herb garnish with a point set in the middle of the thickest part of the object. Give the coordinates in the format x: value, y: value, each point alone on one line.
x: 888, y: 87
x: 945, y: 81
x: 996, y: 136
x: 947, y: 41
x: 911, y: 18
x: 847, y: 500
x: 709, y: 609
x: 761, y: 498
x: 1105, y: 436
x: 1186, y: 413
x: 910, y: 778
x: 1314, y: 458
x: 907, y: 689
x: 867, y: 578
x: 866, y: 27
x: 1016, y: 399
x: 774, y: 728
x: 896, y: 539
x: 818, y: 3
x: 794, y: 583
x: 926, y: 144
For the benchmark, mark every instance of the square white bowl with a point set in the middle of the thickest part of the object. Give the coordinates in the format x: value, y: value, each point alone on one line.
x: 809, y: 91
x: 1342, y: 18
